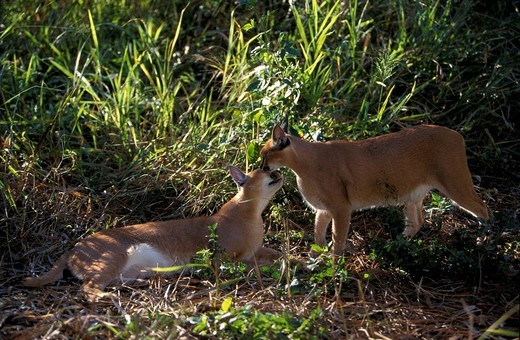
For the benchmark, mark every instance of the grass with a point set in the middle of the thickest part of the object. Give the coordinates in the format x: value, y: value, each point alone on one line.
x: 118, y: 112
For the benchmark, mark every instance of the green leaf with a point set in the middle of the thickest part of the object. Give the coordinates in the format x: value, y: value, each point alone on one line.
x: 318, y: 249
x: 226, y: 304
x: 250, y: 25
x: 252, y: 152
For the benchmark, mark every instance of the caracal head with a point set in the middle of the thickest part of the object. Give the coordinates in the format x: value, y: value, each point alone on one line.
x: 259, y: 183
x: 275, y: 151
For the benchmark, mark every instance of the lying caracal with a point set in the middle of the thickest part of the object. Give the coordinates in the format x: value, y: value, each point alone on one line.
x: 338, y: 177
x: 130, y: 253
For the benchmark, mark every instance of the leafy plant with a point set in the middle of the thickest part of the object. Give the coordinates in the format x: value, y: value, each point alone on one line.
x: 249, y: 322
x: 439, y: 203
x: 467, y: 254
x: 329, y: 272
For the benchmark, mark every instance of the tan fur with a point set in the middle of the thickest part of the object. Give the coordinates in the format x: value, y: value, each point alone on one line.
x: 338, y: 177
x: 108, y: 256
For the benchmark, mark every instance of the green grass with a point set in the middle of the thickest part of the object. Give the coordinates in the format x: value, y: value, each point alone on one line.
x: 118, y: 112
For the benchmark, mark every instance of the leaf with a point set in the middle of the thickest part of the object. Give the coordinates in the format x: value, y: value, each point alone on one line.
x: 252, y: 152
x: 249, y: 25
x: 318, y: 249
x: 259, y: 118
x: 93, y: 31
x: 226, y: 304
x: 253, y: 86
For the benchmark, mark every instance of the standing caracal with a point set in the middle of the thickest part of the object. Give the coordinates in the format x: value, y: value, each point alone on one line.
x: 339, y: 177
x: 130, y: 253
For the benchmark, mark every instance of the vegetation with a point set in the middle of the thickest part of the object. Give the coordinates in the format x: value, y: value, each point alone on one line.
x: 119, y: 112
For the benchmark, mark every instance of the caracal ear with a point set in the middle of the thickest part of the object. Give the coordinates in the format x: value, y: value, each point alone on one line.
x: 238, y: 176
x: 278, y: 136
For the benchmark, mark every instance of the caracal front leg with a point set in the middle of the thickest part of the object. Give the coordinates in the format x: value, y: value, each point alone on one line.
x: 321, y: 223
x: 266, y: 256
x: 340, y: 228
x: 414, y: 218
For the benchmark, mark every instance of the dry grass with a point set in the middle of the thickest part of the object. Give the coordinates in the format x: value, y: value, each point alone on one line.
x: 375, y: 301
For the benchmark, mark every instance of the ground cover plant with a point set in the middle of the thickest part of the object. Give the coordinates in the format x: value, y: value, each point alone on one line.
x: 119, y: 112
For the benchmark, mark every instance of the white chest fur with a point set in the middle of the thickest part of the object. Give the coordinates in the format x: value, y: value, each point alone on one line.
x: 310, y: 198
x: 145, y: 257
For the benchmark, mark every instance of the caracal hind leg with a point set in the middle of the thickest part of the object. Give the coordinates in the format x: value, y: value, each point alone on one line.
x: 321, y: 223
x: 340, y: 229
x: 414, y: 217
x: 454, y: 180
x: 93, y: 291
x: 97, y: 277
x: 462, y: 192
x: 137, y: 273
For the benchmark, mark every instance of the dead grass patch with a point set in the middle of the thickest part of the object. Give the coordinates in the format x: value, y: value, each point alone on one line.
x: 375, y: 301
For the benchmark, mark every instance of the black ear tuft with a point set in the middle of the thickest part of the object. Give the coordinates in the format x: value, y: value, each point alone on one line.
x: 285, y: 124
x: 238, y: 176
